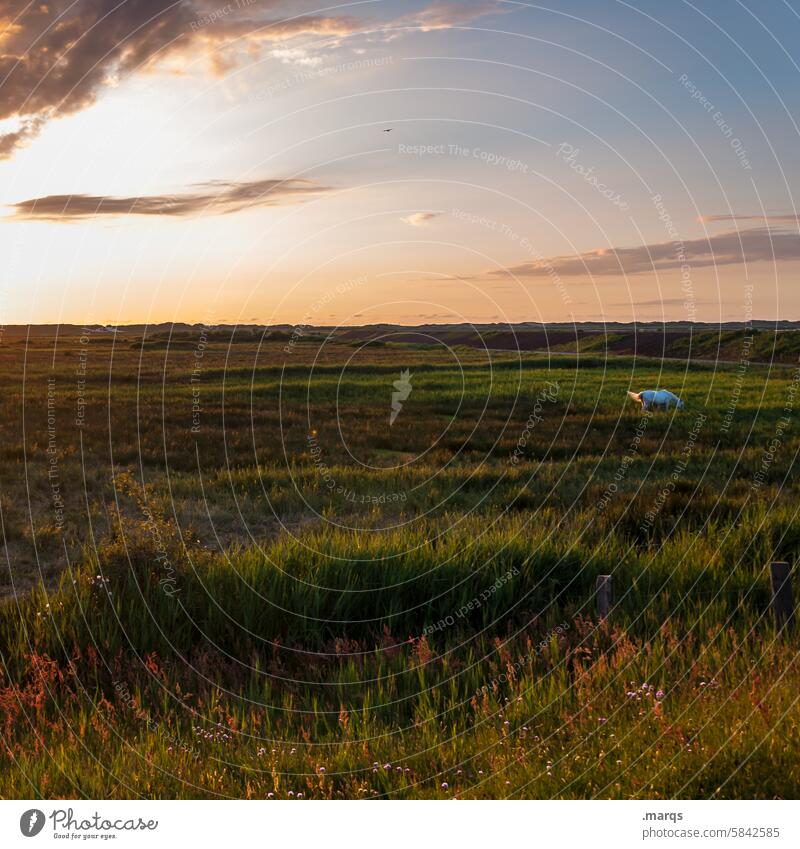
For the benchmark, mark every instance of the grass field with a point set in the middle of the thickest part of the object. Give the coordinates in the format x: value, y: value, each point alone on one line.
x: 228, y: 575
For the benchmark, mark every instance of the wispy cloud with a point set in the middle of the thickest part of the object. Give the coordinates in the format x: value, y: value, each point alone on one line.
x: 758, y: 244
x: 216, y: 198
x: 420, y: 219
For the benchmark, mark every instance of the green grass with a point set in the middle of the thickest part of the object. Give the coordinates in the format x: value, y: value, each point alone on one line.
x: 401, y: 611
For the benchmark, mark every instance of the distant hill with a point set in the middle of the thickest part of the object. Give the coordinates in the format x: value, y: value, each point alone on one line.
x: 761, y: 341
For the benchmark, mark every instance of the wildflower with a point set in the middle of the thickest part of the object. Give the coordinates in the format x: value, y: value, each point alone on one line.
x: 660, y: 694
x: 445, y: 785
x: 322, y: 769
x: 602, y: 719
x: 270, y: 795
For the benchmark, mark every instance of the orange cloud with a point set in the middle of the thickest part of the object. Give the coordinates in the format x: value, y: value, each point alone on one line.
x: 58, y: 56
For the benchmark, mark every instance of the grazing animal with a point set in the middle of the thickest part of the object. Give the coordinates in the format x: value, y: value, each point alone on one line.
x: 658, y: 398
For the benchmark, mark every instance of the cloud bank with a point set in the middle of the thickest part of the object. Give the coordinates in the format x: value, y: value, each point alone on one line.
x: 758, y: 244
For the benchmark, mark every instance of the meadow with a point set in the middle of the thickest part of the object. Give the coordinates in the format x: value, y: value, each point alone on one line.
x: 229, y: 574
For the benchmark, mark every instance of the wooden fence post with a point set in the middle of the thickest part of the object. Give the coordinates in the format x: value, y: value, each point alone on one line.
x: 603, y: 591
x: 782, y: 596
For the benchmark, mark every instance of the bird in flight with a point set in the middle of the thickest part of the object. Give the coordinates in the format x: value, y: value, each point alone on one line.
x: 388, y: 131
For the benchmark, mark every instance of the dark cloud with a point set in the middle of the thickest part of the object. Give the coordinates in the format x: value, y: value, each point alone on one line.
x: 57, y: 55
x: 759, y: 244
x: 217, y: 197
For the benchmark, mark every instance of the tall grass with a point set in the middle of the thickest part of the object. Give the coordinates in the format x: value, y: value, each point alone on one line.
x: 224, y: 623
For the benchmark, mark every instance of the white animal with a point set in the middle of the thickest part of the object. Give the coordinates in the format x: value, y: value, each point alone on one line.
x: 660, y: 398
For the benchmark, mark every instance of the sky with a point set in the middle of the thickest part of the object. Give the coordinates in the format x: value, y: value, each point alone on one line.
x: 403, y: 161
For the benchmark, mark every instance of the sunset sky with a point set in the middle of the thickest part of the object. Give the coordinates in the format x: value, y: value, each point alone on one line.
x: 212, y: 162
